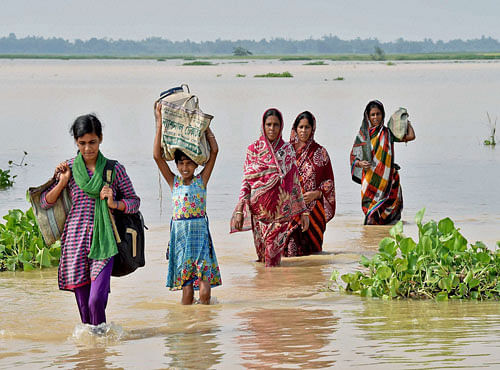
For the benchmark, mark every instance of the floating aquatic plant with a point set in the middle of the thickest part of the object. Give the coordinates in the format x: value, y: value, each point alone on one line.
x: 439, y: 266
x: 316, y: 63
x: 22, y: 245
x: 6, y: 178
x: 271, y: 74
x: 199, y: 63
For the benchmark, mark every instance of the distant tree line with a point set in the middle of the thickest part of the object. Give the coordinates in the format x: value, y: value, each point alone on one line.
x: 162, y: 46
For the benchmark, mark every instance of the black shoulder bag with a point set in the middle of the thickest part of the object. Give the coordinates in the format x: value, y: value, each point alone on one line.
x: 129, y: 233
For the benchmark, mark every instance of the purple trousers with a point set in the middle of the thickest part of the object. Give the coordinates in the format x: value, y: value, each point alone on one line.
x: 93, y: 298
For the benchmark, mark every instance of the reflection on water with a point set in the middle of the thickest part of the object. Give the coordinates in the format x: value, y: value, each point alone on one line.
x: 287, y: 337
x: 193, y: 343
x: 427, y: 333
x: 88, y: 358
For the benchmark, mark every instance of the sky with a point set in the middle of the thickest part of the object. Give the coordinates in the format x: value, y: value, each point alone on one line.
x: 203, y: 20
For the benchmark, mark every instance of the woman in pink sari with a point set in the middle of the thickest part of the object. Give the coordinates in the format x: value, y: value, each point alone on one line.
x: 270, y: 193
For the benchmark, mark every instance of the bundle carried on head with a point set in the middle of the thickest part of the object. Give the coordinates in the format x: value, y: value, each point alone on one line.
x: 184, y: 125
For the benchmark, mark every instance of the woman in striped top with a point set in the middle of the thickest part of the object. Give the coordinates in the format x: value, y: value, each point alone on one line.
x: 87, y: 242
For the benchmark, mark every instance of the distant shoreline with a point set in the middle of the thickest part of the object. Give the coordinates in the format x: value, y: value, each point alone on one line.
x: 289, y: 57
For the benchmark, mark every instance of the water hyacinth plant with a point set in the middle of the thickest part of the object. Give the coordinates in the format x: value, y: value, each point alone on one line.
x: 6, y: 179
x: 21, y: 243
x: 439, y: 266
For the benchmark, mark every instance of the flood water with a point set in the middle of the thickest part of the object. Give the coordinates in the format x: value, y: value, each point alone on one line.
x: 281, y: 317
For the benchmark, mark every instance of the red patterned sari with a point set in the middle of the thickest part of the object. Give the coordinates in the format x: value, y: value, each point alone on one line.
x: 270, y: 195
x: 315, y: 171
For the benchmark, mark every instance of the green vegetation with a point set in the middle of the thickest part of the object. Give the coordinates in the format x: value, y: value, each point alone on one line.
x: 332, y: 57
x: 241, y: 51
x: 317, y: 63
x: 291, y: 58
x: 160, y: 59
x: 390, y: 64
x: 240, y: 75
x: 199, y: 63
x: 6, y: 179
x: 21, y: 243
x: 493, y: 128
x: 339, y: 78
x: 271, y: 74
x: 379, y: 54
x: 439, y: 266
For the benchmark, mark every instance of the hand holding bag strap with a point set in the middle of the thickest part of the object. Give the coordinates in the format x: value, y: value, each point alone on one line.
x: 107, y: 175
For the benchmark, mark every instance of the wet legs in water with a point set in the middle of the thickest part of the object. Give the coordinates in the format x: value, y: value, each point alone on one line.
x: 93, y: 298
x: 188, y: 293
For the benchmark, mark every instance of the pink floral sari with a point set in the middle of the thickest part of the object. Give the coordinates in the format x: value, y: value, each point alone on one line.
x: 270, y: 195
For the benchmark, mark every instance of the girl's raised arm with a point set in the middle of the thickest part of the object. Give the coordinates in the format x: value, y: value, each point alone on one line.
x: 157, y: 154
x: 214, y: 150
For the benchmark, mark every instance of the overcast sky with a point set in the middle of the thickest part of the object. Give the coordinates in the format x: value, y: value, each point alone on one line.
x: 200, y: 20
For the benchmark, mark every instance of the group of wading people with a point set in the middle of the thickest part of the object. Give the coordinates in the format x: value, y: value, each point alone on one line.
x: 287, y: 197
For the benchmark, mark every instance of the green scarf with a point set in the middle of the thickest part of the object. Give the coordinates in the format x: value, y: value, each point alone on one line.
x: 103, y: 239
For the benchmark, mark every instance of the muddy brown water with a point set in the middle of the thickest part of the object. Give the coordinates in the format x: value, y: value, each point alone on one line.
x: 282, y: 317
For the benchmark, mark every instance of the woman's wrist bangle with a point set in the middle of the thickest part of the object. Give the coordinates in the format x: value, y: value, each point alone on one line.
x: 305, y: 213
x: 238, y: 212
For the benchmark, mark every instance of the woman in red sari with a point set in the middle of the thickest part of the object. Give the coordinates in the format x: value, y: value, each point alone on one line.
x: 318, y: 187
x: 270, y: 193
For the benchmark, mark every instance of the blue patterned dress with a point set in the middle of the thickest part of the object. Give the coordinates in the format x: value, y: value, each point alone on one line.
x: 191, y: 253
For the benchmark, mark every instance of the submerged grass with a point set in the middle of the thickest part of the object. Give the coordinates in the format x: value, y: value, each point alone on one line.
x: 316, y: 63
x: 439, y: 266
x: 493, y: 128
x: 199, y: 63
x: 271, y: 74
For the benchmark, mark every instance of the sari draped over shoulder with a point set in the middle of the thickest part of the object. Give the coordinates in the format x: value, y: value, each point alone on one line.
x: 381, y: 194
x: 270, y: 195
x: 315, y: 173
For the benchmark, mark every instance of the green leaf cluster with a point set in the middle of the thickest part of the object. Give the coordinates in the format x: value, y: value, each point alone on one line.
x: 278, y: 75
x: 439, y: 266
x: 22, y: 245
x: 6, y: 179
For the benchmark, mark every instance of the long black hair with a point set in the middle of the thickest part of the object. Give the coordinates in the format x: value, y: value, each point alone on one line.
x: 86, y: 124
x: 307, y: 115
x: 375, y: 104
x: 273, y: 112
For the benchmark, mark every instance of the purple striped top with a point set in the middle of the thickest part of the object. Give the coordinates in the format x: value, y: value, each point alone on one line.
x: 75, y: 268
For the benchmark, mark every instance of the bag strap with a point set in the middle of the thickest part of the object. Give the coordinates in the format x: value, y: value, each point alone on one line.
x: 107, y: 175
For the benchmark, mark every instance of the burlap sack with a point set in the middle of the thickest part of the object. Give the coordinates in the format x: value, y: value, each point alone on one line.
x: 398, y: 123
x: 50, y: 221
x: 184, y: 129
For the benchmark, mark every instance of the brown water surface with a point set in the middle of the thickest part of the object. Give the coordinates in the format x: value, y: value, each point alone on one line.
x: 261, y: 318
